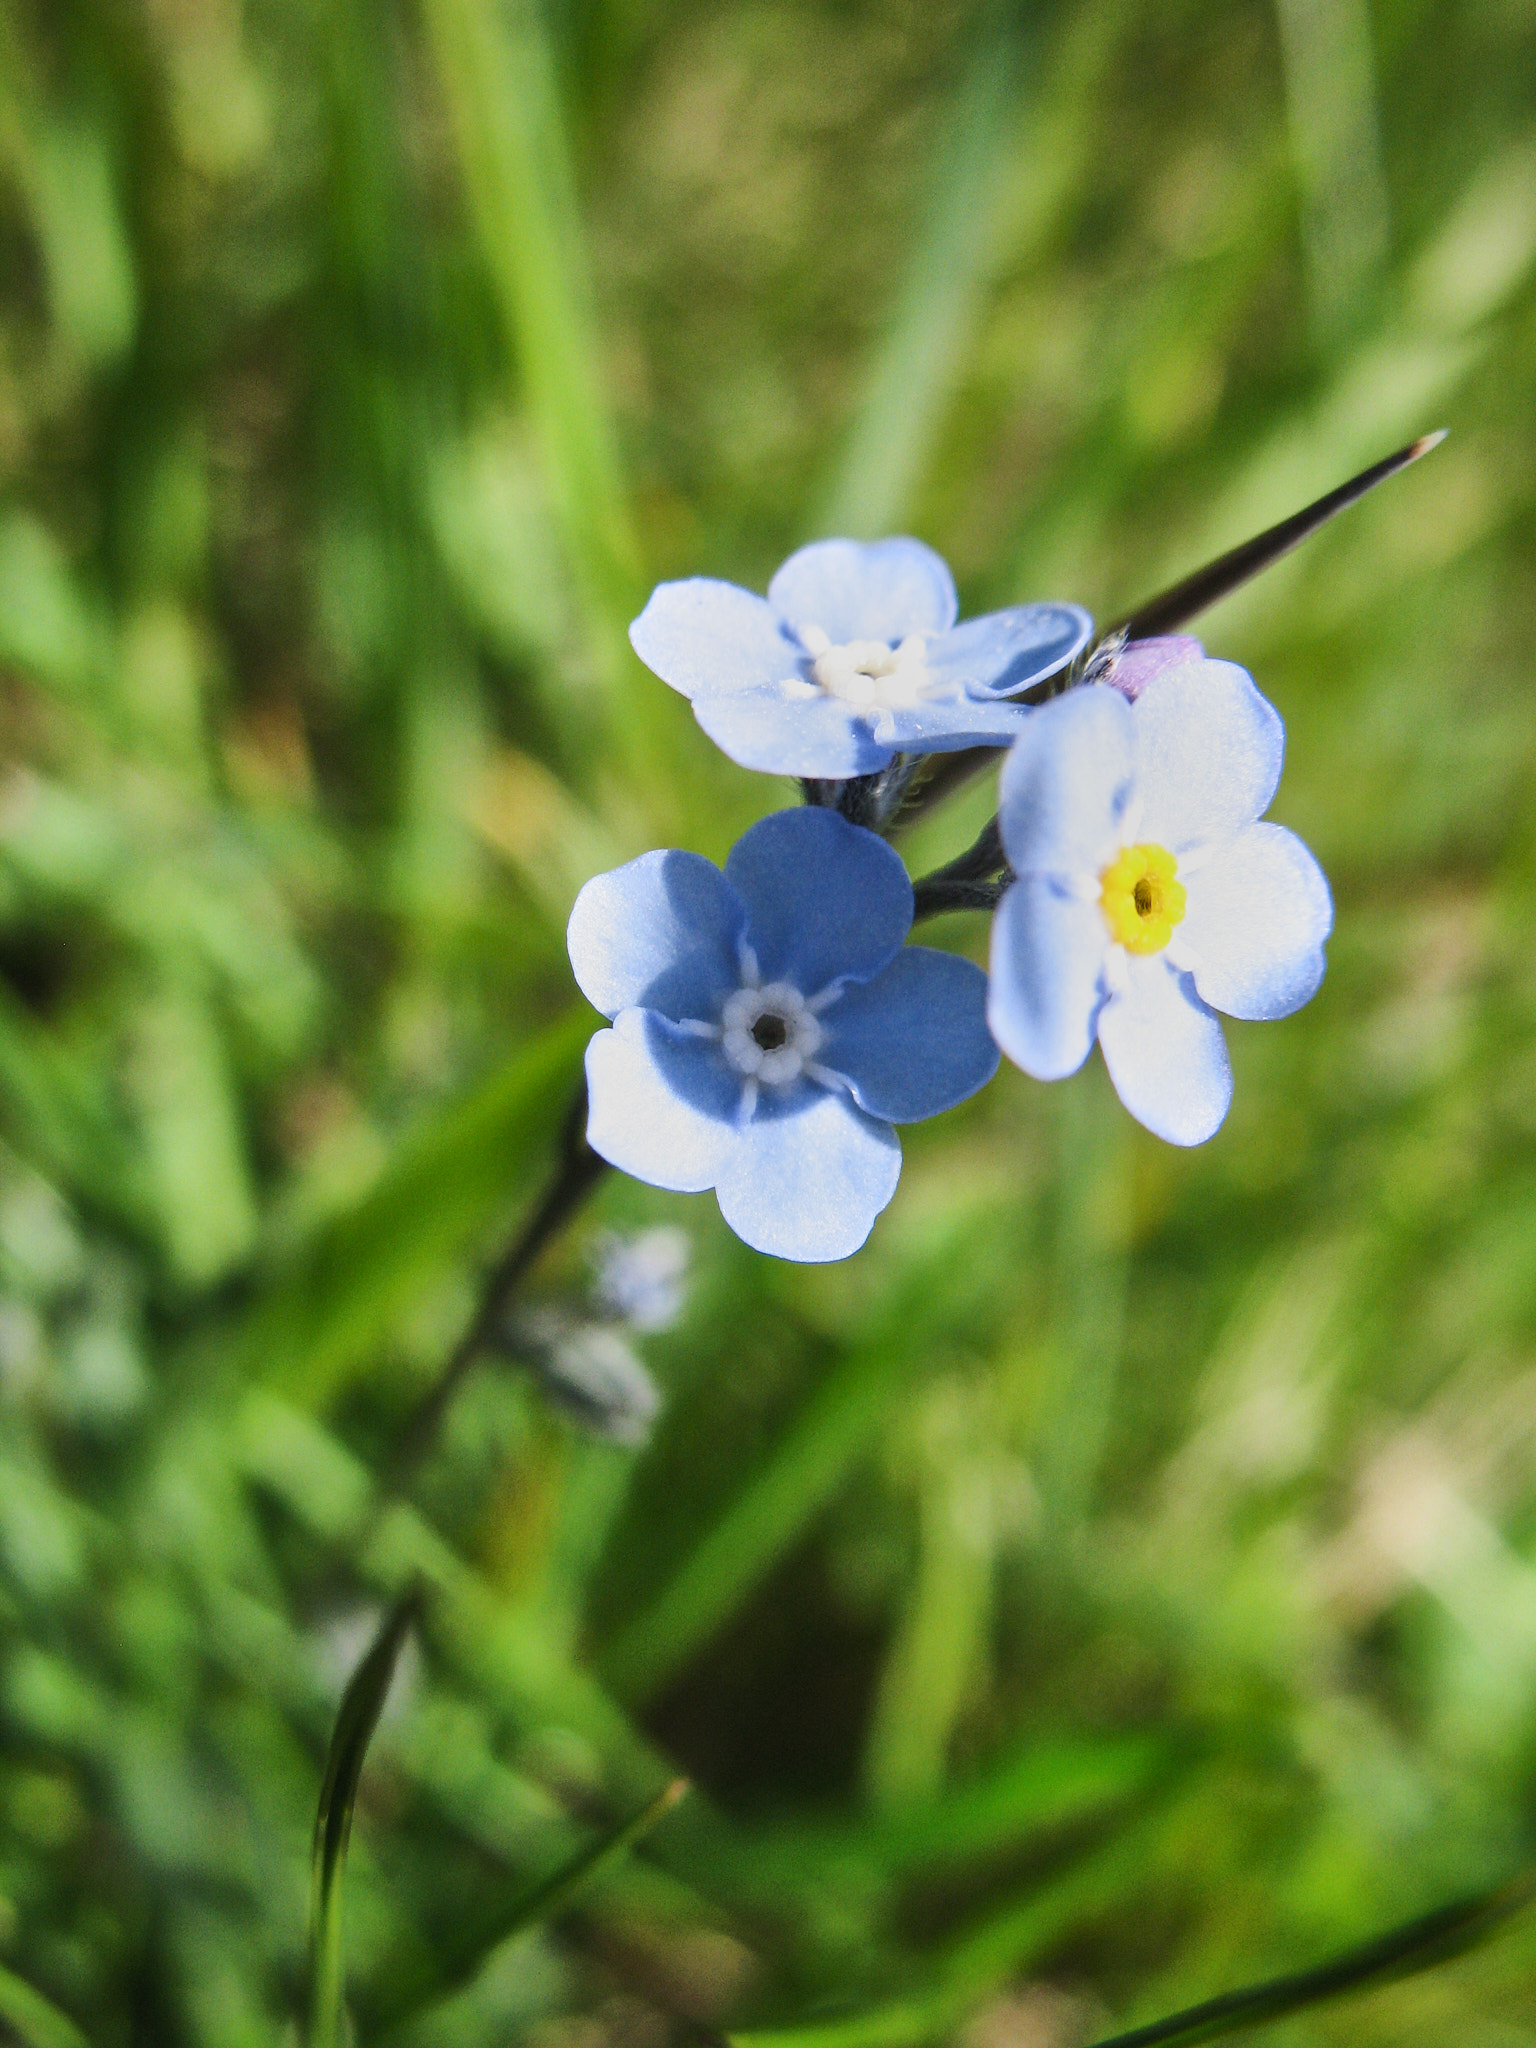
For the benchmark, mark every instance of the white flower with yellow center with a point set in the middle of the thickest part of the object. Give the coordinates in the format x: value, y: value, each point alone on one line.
x: 1148, y: 894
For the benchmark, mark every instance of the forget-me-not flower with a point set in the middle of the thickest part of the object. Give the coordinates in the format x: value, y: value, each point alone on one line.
x: 769, y: 1027
x: 1148, y: 894
x: 853, y: 656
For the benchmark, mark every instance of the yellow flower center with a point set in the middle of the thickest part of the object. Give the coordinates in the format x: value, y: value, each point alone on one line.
x: 1141, y: 898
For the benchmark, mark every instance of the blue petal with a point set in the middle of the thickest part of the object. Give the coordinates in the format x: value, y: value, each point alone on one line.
x: 942, y: 728
x: 1257, y: 916
x: 1165, y: 1053
x: 810, y: 1186
x: 1048, y: 953
x: 817, y: 736
x: 914, y: 1040
x: 638, y: 1120
x: 1004, y: 652
x: 824, y: 898
x: 660, y: 931
x: 1208, y: 754
x: 1066, y: 784
x: 702, y: 636
x: 865, y: 590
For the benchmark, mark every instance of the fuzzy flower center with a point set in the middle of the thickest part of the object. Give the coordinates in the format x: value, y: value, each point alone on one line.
x: 869, y: 673
x: 769, y: 1033
x: 1141, y: 898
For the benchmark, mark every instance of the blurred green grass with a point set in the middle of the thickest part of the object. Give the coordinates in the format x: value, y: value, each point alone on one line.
x: 1117, y: 1583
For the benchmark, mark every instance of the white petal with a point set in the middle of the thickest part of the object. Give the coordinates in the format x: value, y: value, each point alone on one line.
x: 638, y: 1121
x: 1208, y: 754
x: 809, y: 1185
x: 1047, y: 965
x: 1066, y: 784
x: 1257, y: 916
x: 1165, y: 1053
x: 703, y: 637
x: 865, y: 590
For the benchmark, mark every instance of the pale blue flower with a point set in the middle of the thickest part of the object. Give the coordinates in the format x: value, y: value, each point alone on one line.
x: 1148, y: 894
x: 853, y: 656
x: 769, y: 1027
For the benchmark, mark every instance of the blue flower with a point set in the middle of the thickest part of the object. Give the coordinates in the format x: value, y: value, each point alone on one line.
x: 769, y: 1026
x: 854, y: 656
x: 1148, y: 894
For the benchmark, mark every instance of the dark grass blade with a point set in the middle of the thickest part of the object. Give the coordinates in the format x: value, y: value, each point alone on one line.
x: 1402, y: 1952
x: 403, y: 2003
x: 1173, y: 608
x: 361, y: 1705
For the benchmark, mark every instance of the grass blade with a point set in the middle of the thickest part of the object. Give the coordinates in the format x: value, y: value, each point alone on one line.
x: 449, y: 1181
x: 1402, y: 1952
x: 361, y: 1705
x: 827, y: 1436
x: 1196, y: 593
x: 923, y: 353
x: 1004, y: 1943
x: 499, y: 81
x: 529, y: 1906
x: 36, y: 2023
x: 1182, y: 602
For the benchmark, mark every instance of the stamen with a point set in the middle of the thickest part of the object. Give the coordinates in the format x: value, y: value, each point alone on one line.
x: 870, y: 674
x: 768, y: 1034
x: 1141, y: 898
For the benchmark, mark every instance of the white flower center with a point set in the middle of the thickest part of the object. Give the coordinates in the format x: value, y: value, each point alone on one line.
x: 867, y: 673
x: 769, y: 1034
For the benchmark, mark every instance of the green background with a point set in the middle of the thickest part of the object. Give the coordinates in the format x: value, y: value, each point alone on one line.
x: 1117, y: 1582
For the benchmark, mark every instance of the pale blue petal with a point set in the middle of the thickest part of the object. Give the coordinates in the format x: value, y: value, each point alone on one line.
x: 1165, y: 1053
x: 637, y: 1120
x: 810, y: 1186
x: 816, y: 736
x: 1066, y: 784
x: 865, y: 590
x: 824, y: 898
x: 1048, y: 953
x: 660, y: 931
x: 702, y: 635
x: 1004, y: 652
x: 942, y: 728
x: 1258, y: 913
x: 914, y: 1040
x: 1208, y: 754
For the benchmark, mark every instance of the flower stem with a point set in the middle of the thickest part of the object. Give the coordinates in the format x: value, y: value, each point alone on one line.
x: 973, y: 880
x: 578, y: 1172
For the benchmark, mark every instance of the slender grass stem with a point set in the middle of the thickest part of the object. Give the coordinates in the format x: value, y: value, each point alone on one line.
x: 1401, y: 1952
x: 1172, y: 608
x: 578, y: 1172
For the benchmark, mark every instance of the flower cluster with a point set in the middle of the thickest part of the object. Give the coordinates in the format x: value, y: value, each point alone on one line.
x: 769, y: 1025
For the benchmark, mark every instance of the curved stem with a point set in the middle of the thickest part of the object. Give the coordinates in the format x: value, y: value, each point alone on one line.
x: 973, y: 880
x: 578, y: 1172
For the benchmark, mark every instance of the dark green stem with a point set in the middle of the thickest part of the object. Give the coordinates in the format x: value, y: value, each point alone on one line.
x: 578, y: 1172
x: 973, y: 880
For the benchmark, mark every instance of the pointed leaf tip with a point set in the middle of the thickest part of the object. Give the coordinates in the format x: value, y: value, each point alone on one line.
x: 1196, y: 593
x: 356, y: 1719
